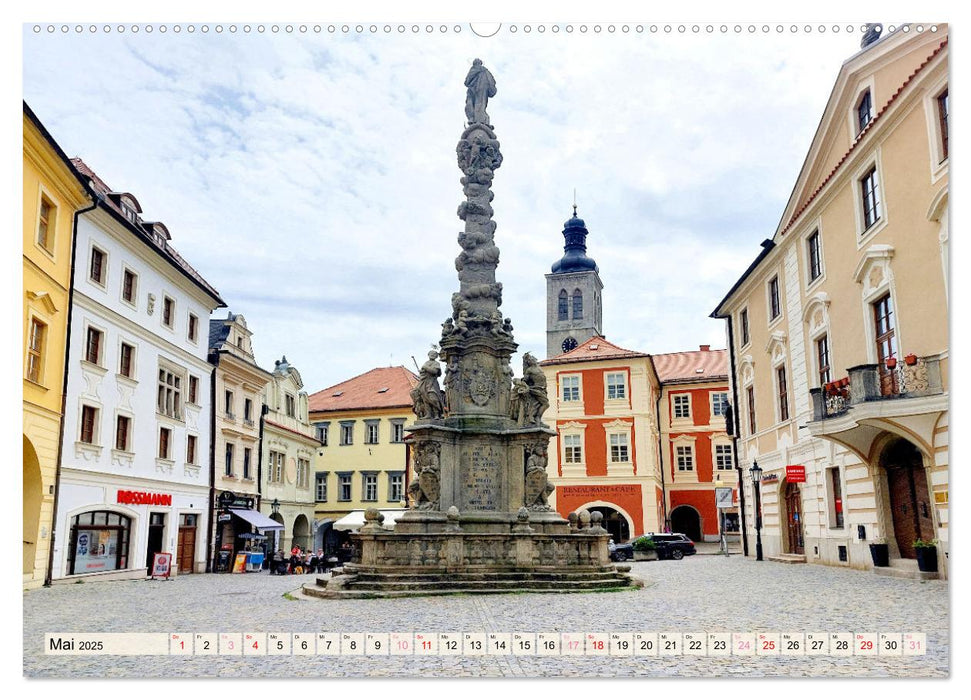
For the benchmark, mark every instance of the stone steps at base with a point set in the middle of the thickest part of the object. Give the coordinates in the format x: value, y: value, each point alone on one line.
x: 321, y: 592
x: 485, y: 577
x: 788, y: 558
x: 453, y: 585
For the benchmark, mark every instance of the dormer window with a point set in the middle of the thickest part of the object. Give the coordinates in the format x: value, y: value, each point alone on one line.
x: 864, y: 111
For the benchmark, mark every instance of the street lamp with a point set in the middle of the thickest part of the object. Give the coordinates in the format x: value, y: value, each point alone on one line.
x: 275, y: 510
x: 275, y: 506
x: 756, y: 472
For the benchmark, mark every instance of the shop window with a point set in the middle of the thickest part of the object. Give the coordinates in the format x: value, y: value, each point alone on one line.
x: 99, y: 542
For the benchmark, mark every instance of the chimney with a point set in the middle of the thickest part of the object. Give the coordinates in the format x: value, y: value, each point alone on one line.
x: 705, y: 348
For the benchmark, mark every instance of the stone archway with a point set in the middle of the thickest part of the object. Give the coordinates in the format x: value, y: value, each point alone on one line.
x: 909, y: 504
x: 33, y: 498
x: 301, y: 533
x: 686, y: 520
x: 614, y: 522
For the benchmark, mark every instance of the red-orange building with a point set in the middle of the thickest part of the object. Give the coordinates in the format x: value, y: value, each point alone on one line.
x: 639, y: 438
x: 696, y: 451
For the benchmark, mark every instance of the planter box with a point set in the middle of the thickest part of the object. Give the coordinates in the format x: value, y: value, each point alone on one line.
x: 927, y: 558
x: 645, y: 556
x: 880, y: 553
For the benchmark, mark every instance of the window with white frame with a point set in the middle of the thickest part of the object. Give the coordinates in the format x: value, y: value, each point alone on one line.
x: 169, y: 398
x: 723, y: 457
x: 396, y: 487
x: 274, y: 464
x: 126, y: 361
x: 619, y: 448
x: 247, y: 462
x: 230, y: 450
x: 814, y: 256
x: 45, y: 224
x: 344, y: 486
x: 303, y: 473
x: 168, y: 312
x: 164, y: 443
x: 320, y: 487
x: 123, y: 433
x: 571, y: 387
x: 347, y: 433
x: 98, y: 268
x: 93, y: 346
x: 775, y: 302
x: 864, y: 111
x: 129, y: 287
x: 36, y: 344
x: 369, y: 483
x: 616, y: 385
x: 682, y: 405
x: 684, y: 454
x: 719, y: 403
x: 870, y: 198
x: 371, y: 432
x: 743, y: 325
x: 90, y: 419
x: 397, y: 431
x: 322, y: 429
x: 573, y: 449
x: 191, y: 442
x: 193, y: 327
x: 782, y: 387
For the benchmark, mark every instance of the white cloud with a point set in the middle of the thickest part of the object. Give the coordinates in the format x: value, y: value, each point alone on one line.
x: 312, y: 178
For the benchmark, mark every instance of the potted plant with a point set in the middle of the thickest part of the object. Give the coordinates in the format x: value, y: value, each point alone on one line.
x: 910, y: 359
x: 926, y: 554
x: 880, y: 552
x: 644, y: 548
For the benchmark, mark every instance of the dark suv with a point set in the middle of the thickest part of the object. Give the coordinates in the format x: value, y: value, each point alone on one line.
x: 672, y: 545
x: 620, y: 552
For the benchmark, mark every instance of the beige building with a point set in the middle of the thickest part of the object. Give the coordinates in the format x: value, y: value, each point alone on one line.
x: 839, y: 329
x: 53, y: 192
x: 288, y: 452
x: 238, y: 385
x: 363, y: 461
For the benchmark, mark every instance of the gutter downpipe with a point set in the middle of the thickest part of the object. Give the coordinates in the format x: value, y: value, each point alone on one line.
x: 213, y: 519
x: 734, y: 427
x: 48, y: 577
x: 660, y: 456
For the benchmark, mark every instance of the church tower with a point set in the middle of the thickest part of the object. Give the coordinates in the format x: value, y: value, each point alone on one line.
x: 573, y: 293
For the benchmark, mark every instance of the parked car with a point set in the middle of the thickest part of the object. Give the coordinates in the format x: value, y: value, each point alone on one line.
x: 620, y: 552
x: 672, y: 545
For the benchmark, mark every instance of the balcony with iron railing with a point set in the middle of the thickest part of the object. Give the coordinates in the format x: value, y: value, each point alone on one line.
x: 913, y: 378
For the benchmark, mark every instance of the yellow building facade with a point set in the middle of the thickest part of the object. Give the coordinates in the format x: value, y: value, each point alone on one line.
x: 52, y: 195
x: 839, y: 328
x: 363, y: 460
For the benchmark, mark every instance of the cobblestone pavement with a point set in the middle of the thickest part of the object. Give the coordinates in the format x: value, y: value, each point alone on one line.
x: 697, y: 594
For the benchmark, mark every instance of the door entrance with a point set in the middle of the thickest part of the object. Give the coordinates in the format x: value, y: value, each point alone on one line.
x: 614, y: 523
x: 685, y: 519
x: 909, y: 498
x: 793, y: 499
x: 187, y: 542
x: 156, y: 537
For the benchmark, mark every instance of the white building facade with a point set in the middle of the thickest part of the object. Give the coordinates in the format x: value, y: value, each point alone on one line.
x: 134, y: 474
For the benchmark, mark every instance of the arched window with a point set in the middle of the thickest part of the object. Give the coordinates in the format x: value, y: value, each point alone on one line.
x: 99, y: 542
x: 563, y: 313
x: 577, y: 304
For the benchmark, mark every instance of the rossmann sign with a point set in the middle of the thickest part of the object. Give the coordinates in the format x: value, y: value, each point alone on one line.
x: 144, y: 498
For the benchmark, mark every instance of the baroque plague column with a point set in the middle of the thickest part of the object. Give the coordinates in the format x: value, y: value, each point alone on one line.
x: 478, y: 509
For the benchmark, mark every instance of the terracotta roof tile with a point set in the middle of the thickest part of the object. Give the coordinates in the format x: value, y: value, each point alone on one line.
x: 147, y: 228
x: 684, y: 366
x: 860, y: 137
x: 382, y: 387
x: 596, y: 348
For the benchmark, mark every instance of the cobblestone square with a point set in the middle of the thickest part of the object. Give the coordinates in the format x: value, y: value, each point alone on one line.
x: 698, y: 594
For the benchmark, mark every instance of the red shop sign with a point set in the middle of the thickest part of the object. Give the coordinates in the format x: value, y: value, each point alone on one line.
x: 144, y: 498
x: 796, y: 474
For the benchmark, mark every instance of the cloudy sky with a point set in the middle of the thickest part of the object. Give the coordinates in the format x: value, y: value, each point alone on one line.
x: 311, y: 177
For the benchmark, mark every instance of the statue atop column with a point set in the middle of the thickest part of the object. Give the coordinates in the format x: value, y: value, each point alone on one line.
x: 481, y: 86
